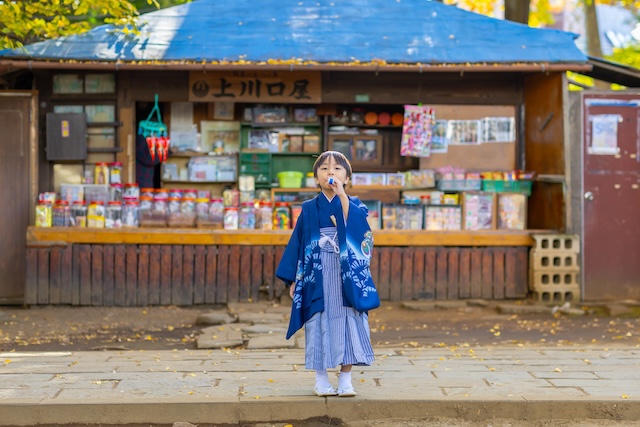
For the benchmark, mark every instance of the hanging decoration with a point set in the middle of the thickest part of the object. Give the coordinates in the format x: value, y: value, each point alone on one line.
x: 155, y: 132
x: 417, y: 131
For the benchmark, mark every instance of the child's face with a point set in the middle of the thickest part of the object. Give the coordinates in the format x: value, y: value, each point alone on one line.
x: 331, y: 169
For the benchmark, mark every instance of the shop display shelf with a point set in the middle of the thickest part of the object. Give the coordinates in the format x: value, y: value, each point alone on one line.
x: 459, y: 184
x: 500, y: 186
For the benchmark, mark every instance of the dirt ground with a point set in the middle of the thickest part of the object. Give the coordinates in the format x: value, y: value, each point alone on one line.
x: 56, y: 328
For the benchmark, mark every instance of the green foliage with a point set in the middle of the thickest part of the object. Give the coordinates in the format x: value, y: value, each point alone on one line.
x: 629, y: 55
x: 28, y: 21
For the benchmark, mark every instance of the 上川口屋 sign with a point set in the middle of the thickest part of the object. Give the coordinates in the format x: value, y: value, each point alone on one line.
x: 256, y: 86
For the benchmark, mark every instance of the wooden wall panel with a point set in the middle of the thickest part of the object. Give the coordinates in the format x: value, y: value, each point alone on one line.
x: 233, y: 277
x: 453, y: 273
x: 522, y: 274
x: 97, y: 259
x: 442, y: 271
x: 55, y: 267
x: 429, y: 289
x: 256, y: 273
x: 268, y: 278
x: 75, y: 278
x: 43, y: 277
x: 510, y: 272
x: 31, y: 283
x: 85, y: 274
x: 545, y: 207
x: 154, y: 275
x: 543, y: 123
x: 142, y: 297
x: 66, y: 280
x: 165, y: 274
x: 341, y: 87
x: 176, y: 274
x: 108, y: 275
x: 119, y: 275
x: 188, y: 259
x: 244, y: 275
x: 222, y: 276
x: 211, y: 275
x: 418, y: 273
x: 464, y: 273
x: 131, y: 276
x: 498, y: 273
x: 199, y: 273
x: 476, y: 272
x: 407, y: 293
x: 545, y: 148
x: 487, y: 274
x: 119, y: 284
x: 395, y: 275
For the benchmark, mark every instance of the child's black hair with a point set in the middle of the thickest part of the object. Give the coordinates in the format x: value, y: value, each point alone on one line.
x: 340, y: 158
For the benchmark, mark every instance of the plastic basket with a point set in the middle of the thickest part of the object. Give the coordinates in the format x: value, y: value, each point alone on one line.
x: 459, y: 184
x: 499, y: 186
x: 290, y: 179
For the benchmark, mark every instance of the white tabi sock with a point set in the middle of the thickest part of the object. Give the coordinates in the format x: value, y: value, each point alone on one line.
x: 322, y: 380
x: 344, y: 380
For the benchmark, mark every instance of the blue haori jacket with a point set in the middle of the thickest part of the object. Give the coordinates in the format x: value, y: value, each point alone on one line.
x: 300, y: 264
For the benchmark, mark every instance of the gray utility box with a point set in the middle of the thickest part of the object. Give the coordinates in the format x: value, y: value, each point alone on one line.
x: 66, y: 136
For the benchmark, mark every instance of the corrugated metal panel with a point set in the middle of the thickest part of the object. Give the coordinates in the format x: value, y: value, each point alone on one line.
x: 323, y: 31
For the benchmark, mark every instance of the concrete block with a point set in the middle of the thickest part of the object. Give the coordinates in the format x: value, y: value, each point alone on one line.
x: 556, y: 242
x: 215, y: 318
x: 215, y: 338
x: 553, y: 261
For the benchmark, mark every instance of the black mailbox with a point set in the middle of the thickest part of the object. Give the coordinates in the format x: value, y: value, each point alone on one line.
x: 66, y: 136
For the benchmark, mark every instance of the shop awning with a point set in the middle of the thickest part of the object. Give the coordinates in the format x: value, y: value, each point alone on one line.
x: 613, y: 72
x: 312, y: 33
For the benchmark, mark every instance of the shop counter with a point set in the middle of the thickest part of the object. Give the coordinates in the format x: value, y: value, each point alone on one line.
x: 193, y: 236
x: 168, y: 266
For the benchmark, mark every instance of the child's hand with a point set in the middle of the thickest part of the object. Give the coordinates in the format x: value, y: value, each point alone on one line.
x: 291, y: 290
x: 336, y: 185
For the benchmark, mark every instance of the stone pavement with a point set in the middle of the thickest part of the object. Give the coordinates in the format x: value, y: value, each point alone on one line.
x: 257, y: 386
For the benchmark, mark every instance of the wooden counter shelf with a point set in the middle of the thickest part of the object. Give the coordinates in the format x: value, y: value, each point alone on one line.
x: 184, y: 236
x: 164, y: 266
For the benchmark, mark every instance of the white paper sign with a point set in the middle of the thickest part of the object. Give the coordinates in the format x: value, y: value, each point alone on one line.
x: 604, y: 134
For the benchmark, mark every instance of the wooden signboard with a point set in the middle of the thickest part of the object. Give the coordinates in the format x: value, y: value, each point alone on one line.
x: 288, y: 87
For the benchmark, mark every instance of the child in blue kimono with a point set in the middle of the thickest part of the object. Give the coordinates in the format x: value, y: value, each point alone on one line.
x: 326, y: 265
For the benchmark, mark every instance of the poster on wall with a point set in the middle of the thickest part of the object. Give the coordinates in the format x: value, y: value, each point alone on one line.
x: 498, y: 129
x: 439, y: 141
x: 417, y: 131
x: 604, y: 134
x: 464, y: 132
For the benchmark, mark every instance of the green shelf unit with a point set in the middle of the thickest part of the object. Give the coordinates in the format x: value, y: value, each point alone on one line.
x: 258, y: 165
x: 265, y: 166
x: 301, y: 162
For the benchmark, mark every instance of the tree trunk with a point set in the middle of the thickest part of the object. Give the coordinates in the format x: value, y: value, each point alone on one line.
x: 591, y: 28
x: 517, y: 11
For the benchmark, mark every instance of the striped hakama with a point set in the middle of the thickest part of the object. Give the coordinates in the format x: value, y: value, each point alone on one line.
x: 339, y: 335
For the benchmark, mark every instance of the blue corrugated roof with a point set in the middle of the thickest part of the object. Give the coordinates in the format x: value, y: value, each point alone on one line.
x: 323, y: 31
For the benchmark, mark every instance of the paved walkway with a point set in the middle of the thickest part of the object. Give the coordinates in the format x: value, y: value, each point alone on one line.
x: 249, y: 386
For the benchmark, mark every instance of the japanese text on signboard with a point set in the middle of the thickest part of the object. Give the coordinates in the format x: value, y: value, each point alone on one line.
x: 277, y: 87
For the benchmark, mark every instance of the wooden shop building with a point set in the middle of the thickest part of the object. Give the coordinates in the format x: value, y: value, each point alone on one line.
x: 319, y: 69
